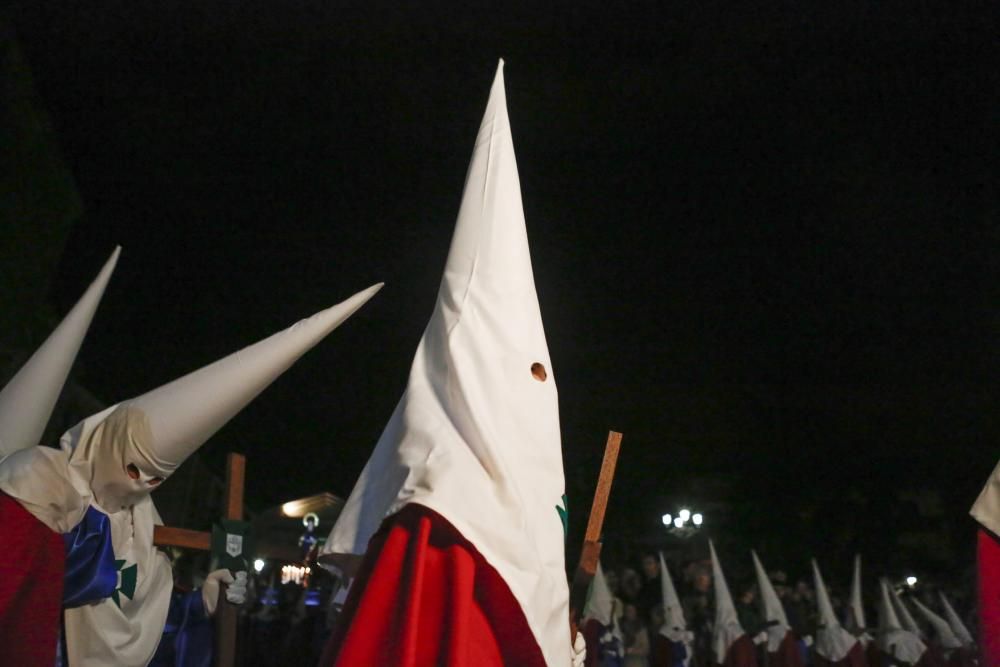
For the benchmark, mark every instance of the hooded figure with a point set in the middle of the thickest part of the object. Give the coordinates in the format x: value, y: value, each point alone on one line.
x: 27, y: 401
x: 965, y: 654
x: 945, y: 635
x: 94, y: 495
x: 892, y: 640
x: 730, y: 643
x: 31, y: 579
x: 470, y: 462
x: 855, y: 621
x: 986, y: 510
x: 672, y: 645
x: 956, y: 624
x: 603, y: 636
x: 834, y: 646
x: 782, y: 644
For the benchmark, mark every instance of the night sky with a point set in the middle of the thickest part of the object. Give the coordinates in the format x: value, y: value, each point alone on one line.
x: 764, y: 235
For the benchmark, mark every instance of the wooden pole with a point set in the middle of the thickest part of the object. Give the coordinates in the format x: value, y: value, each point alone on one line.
x: 227, y: 613
x: 591, y: 552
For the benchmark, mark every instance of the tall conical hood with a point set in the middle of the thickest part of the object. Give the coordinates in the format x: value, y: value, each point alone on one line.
x: 946, y: 636
x: 856, y: 622
x: 955, y: 621
x: 475, y: 437
x: 892, y: 639
x: 903, y: 613
x: 674, y: 627
x: 157, y: 431
x: 600, y: 603
x: 887, y: 618
x: 727, y: 624
x: 27, y: 401
x: 833, y: 642
x: 774, y: 613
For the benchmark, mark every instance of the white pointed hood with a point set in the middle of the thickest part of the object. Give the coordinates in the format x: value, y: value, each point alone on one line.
x: 674, y: 627
x: 727, y: 627
x: 955, y: 621
x: 986, y: 509
x: 856, y: 610
x: 892, y: 639
x: 946, y: 636
x: 600, y: 603
x: 774, y: 613
x: 833, y: 642
x: 27, y: 401
x: 475, y: 436
x: 903, y: 613
x: 158, y: 430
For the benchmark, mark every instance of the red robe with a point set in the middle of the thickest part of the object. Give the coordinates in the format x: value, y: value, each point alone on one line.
x: 425, y: 596
x: 31, y: 587
x: 989, y: 597
x: 741, y: 653
x: 788, y: 653
x: 856, y: 657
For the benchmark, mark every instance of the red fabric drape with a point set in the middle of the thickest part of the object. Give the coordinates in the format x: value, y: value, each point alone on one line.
x: 788, y: 653
x: 425, y: 596
x: 31, y: 583
x: 592, y: 631
x: 856, y: 657
x: 989, y: 597
x: 741, y: 653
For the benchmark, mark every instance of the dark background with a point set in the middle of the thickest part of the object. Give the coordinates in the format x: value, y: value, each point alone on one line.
x: 764, y: 238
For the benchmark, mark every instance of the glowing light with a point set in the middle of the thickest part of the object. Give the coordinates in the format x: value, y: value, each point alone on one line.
x: 667, y: 519
x: 697, y: 519
x: 678, y: 522
x: 258, y: 565
x: 685, y: 515
x: 911, y: 581
x: 294, y: 573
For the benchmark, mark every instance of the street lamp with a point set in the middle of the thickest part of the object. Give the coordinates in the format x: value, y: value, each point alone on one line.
x: 911, y: 581
x: 684, y: 524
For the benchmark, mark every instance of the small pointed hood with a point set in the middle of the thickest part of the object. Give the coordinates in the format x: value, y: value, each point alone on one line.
x: 903, y: 613
x: 892, y: 638
x: 774, y: 613
x: 158, y: 430
x: 986, y: 509
x: 674, y: 627
x: 955, y: 621
x: 727, y: 624
x: 946, y: 636
x: 600, y: 603
x: 833, y: 642
x: 27, y: 401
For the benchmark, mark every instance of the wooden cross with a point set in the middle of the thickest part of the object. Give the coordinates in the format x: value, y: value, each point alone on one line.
x: 591, y: 552
x: 226, y: 613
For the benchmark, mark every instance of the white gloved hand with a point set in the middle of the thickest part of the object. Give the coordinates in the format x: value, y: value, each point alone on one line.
x: 760, y: 637
x: 807, y: 640
x: 579, y: 650
x: 235, y: 593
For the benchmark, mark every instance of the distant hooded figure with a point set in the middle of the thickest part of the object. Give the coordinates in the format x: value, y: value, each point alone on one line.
x: 81, y: 517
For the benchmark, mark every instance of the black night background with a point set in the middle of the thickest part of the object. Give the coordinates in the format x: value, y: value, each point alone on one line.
x: 764, y: 238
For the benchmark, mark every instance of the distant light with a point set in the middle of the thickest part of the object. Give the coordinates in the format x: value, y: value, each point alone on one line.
x: 678, y: 522
x: 258, y: 565
x: 293, y: 508
x: 911, y: 581
x: 667, y: 519
x: 697, y: 519
x: 685, y: 515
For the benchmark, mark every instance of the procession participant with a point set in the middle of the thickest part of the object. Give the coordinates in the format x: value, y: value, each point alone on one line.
x: 893, y: 642
x: 460, y: 511
x: 85, y: 509
x: 782, y: 643
x: 834, y: 646
x: 29, y: 624
x: 732, y: 646
x: 986, y: 510
x: 672, y: 644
